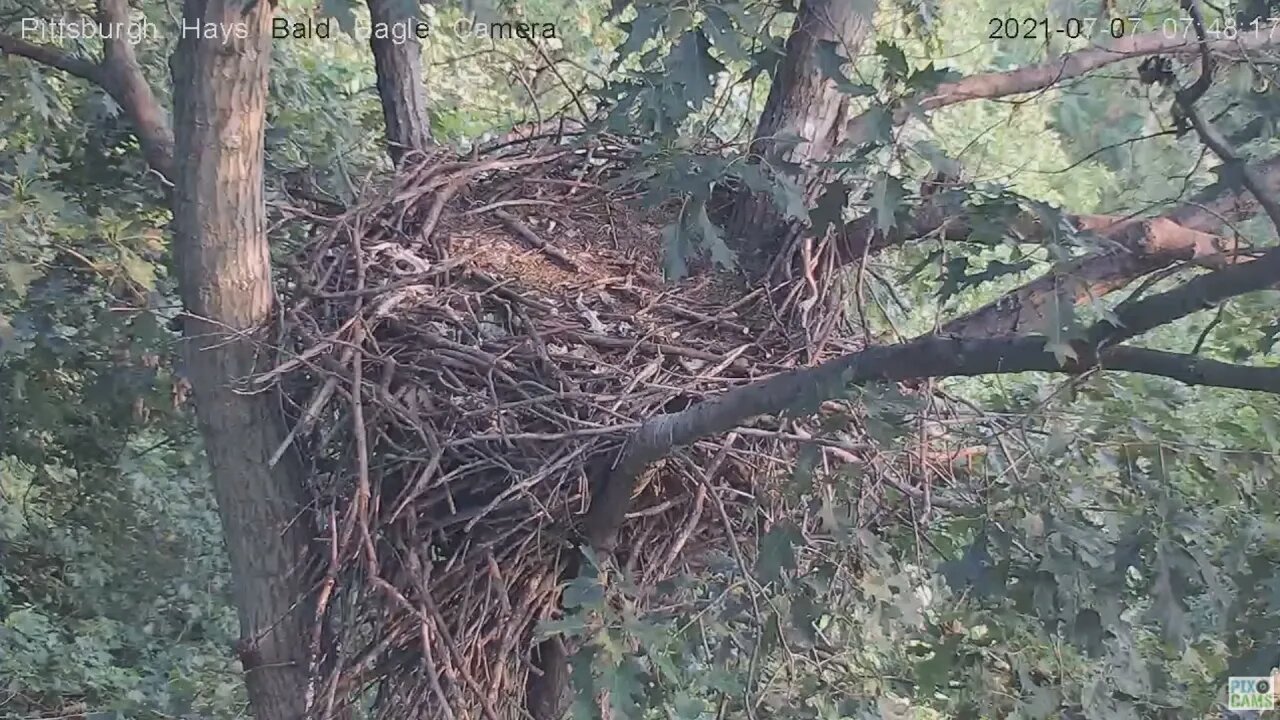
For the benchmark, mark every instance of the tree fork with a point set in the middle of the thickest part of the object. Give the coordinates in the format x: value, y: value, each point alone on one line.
x: 802, y: 102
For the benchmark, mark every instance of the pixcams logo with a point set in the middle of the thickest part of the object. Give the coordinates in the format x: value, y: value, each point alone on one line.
x: 1253, y: 693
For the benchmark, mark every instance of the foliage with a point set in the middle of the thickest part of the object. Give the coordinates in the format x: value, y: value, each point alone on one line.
x: 1107, y: 548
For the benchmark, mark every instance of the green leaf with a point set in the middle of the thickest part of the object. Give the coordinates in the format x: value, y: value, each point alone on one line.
x: 583, y: 592
x: 692, y: 68
x: 928, y: 78
x: 1060, y: 326
x: 138, y: 270
x: 895, y: 61
x: 777, y: 551
x: 676, y: 250
x: 712, y: 240
x: 20, y: 276
x: 626, y: 688
x: 689, y: 707
x: 582, y: 674
x: 569, y: 626
x: 1062, y: 352
x: 934, y: 671
x: 887, y: 195
x: 8, y: 337
x: 643, y: 28
x: 875, y: 127
x: 830, y: 61
x: 828, y: 211
x: 786, y: 194
x: 344, y: 12
x: 723, y: 34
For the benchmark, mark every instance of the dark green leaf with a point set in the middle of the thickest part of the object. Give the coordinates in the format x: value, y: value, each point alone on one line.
x: 639, y: 31
x: 344, y: 12
x: 895, y: 61
x: 723, y: 34
x: 887, y: 196
x: 928, y: 78
x: 777, y: 551
x: 830, y: 61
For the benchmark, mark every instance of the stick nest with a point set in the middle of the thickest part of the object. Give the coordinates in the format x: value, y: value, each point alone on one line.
x: 458, y: 353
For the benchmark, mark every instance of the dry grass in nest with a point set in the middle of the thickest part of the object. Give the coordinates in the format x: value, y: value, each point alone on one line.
x: 452, y: 384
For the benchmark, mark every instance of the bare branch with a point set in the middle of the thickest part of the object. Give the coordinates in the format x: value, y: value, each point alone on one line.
x: 1193, y: 369
x: 52, y: 57
x: 943, y: 356
x: 1200, y: 293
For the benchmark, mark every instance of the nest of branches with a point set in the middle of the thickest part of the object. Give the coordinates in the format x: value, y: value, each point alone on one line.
x: 460, y: 355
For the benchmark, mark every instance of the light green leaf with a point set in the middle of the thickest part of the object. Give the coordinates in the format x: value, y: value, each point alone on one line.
x: 20, y: 276
x: 138, y: 270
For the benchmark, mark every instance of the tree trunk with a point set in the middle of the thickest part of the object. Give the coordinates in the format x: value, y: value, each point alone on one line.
x: 399, y: 69
x: 220, y: 93
x: 802, y: 102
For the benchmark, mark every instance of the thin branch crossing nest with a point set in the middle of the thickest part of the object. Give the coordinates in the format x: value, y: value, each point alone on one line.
x: 458, y: 354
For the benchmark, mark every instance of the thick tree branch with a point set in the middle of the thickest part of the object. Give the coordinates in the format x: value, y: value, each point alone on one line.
x: 398, y: 65
x: 931, y: 356
x: 804, y: 104
x: 1199, y: 293
x: 123, y: 79
x: 945, y: 356
x: 1142, y: 246
x: 223, y: 267
x: 120, y: 74
x: 52, y: 57
x: 1187, y: 99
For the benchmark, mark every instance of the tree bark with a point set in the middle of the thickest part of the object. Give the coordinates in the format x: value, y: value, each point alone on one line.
x: 220, y: 93
x: 400, y: 86
x: 802, y: 102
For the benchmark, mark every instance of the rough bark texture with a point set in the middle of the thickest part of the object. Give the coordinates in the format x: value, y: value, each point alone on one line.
x: 224, y: 274
x: 802, y: 102
x: 400, y: 86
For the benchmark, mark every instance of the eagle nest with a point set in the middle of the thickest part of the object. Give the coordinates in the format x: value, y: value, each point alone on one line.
x: 460, y: 355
